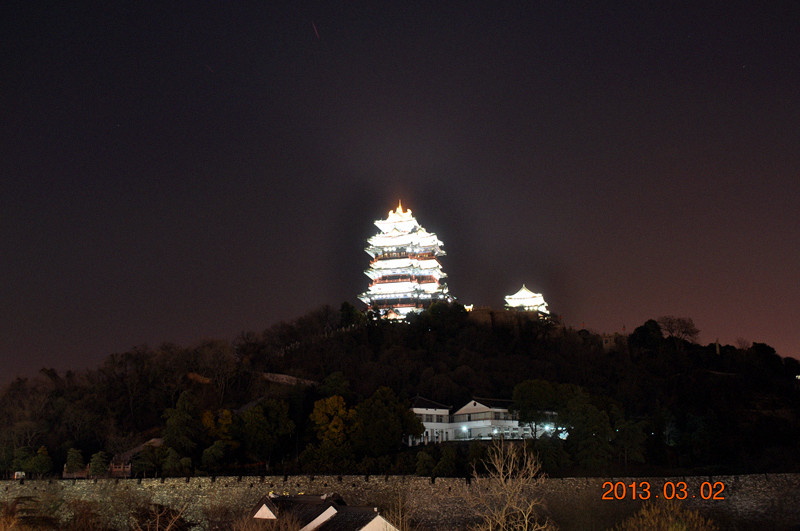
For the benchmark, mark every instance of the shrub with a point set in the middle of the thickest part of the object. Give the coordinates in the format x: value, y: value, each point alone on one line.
x: 666, y: 514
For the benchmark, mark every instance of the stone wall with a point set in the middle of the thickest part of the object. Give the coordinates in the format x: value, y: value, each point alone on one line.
x: 768, y: 501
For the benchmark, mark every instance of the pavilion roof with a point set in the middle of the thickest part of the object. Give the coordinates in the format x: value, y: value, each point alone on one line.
x: 523, y: 294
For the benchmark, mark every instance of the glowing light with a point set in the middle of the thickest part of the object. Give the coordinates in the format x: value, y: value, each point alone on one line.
x: 526, y: 300
x: 399, y: 208
x: 404, y: 271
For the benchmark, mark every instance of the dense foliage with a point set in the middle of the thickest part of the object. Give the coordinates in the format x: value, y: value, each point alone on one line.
x: 654, y: 401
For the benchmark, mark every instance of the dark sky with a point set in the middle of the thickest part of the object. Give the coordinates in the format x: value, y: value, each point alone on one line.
x: 173, y: 171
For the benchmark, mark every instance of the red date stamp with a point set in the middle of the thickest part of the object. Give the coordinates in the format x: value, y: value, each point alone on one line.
x: 641, y: 490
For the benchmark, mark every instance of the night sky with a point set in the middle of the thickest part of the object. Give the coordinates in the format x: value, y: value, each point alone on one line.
x: 174, y: 171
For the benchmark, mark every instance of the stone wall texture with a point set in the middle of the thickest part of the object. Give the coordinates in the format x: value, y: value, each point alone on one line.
x: 766, y: 501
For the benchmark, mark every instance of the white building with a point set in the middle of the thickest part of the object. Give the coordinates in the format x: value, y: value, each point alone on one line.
x: 527, y: 301
x: 485, y: 418
x: 436, y: 419
x: 480, y: 418
x: 405, y: 274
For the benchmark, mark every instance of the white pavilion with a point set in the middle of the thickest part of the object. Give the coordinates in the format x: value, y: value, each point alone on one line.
x: 527, y: 301
x: 405, y: 274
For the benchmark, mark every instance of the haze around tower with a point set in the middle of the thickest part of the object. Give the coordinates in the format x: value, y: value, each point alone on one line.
x: 174, y: 173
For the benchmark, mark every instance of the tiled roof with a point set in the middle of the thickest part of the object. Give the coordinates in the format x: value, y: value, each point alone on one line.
x: 332, y: 511
x: 305, y: 508
x: 424, y: 403
x: 494, y: 403
x: 349, y: 519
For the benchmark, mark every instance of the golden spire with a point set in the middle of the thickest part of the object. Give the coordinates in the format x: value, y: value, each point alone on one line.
x: 399, y: 208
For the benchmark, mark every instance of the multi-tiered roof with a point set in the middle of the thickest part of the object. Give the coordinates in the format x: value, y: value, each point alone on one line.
x: 526, y: 300
x: 405, y: 272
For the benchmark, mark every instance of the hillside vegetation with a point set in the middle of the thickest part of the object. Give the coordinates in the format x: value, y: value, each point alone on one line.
x: 655, y: 402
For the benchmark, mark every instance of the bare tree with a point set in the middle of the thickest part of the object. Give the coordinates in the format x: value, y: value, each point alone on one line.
x: 679, y: 328
x: 668, y: 514
x: 743, y: 343
x: 10, y: 514
x: 157, y: 517
x: 509, y: 496
x: 399, y: 512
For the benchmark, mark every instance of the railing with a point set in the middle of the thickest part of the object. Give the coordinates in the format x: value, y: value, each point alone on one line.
x: 486, y: 415
x: 425, y: 279
x: 384, y: 280
x: 415, y: 256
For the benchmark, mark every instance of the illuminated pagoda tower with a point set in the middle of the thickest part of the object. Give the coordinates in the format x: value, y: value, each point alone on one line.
x: 405, y: 274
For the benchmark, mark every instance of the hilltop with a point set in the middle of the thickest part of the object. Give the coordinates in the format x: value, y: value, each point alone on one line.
x: 649, y: 402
